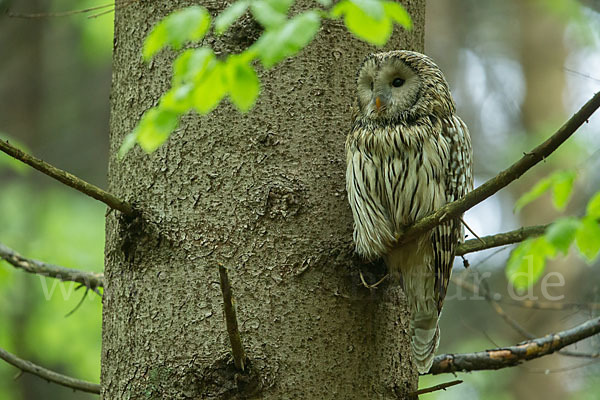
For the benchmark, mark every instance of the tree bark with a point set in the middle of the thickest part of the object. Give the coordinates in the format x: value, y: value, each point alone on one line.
x: 263, y: 194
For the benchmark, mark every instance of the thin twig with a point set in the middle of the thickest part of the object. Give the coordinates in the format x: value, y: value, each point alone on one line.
x: 441, y: 386
x: 458, y: 207
x: 471, y: 230
x: 552, y: 306
x: 581, y: 74
x: 51, y: 376
x: 121, y: 5
x: 58, y: 14
x: 531, y: 304
x: 523, y: 332
x: 513, y: 355
x: 87, y: 289
x: 67, y: 178
x: 88, y: 279
x: 510, y: 320
x: 239, y: 357
x: 101, y: 13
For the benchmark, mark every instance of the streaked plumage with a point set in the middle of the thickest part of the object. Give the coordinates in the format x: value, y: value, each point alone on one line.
x: 408, y: 154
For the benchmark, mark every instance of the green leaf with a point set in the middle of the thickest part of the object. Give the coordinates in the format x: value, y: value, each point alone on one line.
x: 211, y: 88
x: 155, y: 127
x: 277, y: 44
x: 244, y: 85
x: 370, y: 24
x: 536, y: 191
x: 189, y: 24
x: 561, y: 183
x: 190, y: 65
x: 398, y: 14
x: 281, y: 6
x: 372, y: 8
x: 566, y: 9
x: 229, y: 15
x: 127, y: 144
x: 325, y: 3
x: 588, y: 238
x: 562, y: 233
x: 528, y: 261
x: 178, y: 99
x: 562, y: 186
x: 266, y: 15
x: 593, y: 206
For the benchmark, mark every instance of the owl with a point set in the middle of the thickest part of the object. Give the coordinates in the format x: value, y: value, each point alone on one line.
x: 408, y: 154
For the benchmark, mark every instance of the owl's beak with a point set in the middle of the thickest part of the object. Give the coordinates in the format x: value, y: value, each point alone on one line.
x: 378, y: 103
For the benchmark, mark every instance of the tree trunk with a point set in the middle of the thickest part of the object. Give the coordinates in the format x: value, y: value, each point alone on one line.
x: 263, y: 194
x: 543, y: 53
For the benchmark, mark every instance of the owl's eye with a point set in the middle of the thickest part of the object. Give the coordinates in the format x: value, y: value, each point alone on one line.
x: 398, y: 82
x: 371, y: 86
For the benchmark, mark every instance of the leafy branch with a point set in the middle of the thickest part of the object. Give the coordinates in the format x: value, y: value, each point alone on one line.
x: 201, y: 79
x: 528, y: 261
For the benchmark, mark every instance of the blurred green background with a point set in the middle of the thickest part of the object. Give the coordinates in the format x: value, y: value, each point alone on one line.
x: 517, y: 69
x: 54, y: 87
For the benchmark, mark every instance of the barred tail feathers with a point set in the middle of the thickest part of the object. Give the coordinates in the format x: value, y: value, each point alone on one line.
x: 412, y: 264
x: 424, y: 336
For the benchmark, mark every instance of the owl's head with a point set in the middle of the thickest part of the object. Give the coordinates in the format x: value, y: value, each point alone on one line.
x: 402, y: 85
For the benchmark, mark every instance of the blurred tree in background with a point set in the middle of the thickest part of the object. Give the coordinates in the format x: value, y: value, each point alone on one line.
x: 54, y: 86
x: 516, y: 68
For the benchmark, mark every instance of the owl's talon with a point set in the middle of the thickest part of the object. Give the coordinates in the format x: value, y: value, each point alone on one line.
x: 374, y: 285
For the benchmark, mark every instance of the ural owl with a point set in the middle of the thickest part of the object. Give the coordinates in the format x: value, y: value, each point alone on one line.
x: 408, y: 154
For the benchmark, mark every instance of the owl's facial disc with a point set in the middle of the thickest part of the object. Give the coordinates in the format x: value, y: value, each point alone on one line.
x: 387, y: 89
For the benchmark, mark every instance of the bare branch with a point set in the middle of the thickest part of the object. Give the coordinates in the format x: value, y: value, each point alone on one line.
x: 239, y: 357
x: 500, y: 239
x: 58, y: 14
x: 68, y: 179
x: 51, y: 376
x: 514, y: 355
x: 88, y: 279
x: 441, y: 386
x: 456, y: 208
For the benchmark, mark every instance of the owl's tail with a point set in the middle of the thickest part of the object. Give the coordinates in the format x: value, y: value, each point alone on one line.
x: 410, y: 264
x: 424, y: 334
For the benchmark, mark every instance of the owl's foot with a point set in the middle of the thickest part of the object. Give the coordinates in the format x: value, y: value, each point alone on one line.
x: 374, y: 285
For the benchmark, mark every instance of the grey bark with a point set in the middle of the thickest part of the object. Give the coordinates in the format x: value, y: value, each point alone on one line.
x: 262, y: 193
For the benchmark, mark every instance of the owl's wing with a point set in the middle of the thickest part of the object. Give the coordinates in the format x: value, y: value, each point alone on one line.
x: 459, y: 180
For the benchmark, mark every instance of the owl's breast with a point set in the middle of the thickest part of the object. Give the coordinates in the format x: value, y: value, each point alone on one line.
x: 394, y: 177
